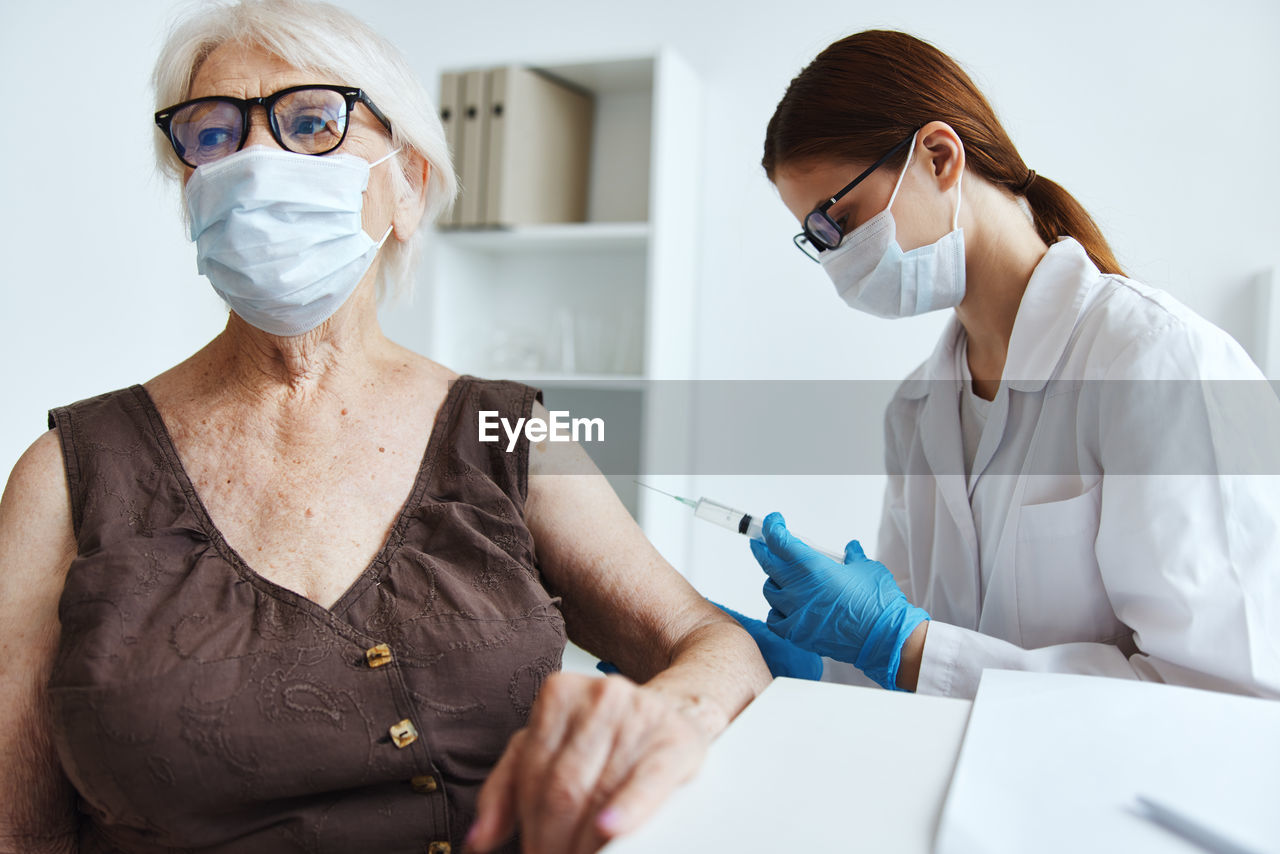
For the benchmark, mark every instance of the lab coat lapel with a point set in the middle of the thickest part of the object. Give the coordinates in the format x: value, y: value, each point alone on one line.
x: 1047, y: 315
x: 1056, y: 297
x: 992, y: 436
x: 940, y: 438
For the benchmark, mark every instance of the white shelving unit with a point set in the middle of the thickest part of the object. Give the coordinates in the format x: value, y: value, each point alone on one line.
x: 593, y: 312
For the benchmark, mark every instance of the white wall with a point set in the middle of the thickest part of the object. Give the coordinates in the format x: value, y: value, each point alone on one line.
x: 1159, y: 117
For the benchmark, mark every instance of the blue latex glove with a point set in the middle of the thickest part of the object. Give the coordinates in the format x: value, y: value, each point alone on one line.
x: 783, y: 657
x: 853, y: 611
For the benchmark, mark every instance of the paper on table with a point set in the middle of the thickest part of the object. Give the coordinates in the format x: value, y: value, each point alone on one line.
x: 1054, y: 762
x: 811, y: 766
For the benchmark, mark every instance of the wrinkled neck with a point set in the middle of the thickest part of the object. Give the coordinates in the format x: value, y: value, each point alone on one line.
x: 339, y: 351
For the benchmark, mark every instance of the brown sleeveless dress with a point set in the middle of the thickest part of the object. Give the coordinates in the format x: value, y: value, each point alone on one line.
x: 197, y: 706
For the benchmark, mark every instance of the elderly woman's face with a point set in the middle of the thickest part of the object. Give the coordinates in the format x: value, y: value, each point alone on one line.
x: 246, y: 72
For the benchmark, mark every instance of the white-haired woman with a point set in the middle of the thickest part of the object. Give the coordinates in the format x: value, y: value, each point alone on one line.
x: 225, y: 626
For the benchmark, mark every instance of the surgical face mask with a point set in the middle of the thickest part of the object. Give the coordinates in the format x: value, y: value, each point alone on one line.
x: 872, y: 273
x: 279, y: 234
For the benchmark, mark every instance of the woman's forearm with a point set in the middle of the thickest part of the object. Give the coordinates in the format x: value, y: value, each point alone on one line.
x: 912, y: 654
x: 715, y: 671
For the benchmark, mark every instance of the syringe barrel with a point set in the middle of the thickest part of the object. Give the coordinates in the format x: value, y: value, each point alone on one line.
x: 718, y: 514
x: 745, y: 523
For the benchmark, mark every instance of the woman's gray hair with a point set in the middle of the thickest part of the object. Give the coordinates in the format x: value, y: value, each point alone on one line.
x: 329, y: 41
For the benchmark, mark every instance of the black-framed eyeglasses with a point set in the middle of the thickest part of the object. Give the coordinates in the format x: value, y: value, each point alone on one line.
x: 821, y: 232
x: 311, y: 119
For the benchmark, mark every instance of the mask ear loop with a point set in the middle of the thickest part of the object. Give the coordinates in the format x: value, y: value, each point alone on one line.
x: 910, y: 153
x: 381, y: 159
x: 955, y: 218
x: 386, y: 156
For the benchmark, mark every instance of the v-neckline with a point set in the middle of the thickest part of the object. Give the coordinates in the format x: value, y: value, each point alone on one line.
x: 381, y: 560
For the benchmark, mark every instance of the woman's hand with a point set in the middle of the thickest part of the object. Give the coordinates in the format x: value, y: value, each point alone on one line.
x: 600, y: 754
x: 598, y: 757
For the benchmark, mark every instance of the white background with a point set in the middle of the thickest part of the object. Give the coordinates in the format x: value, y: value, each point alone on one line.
x: 1162, y: 118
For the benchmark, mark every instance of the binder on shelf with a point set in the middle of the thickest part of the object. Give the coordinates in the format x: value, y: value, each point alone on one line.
x: 450, y: 99
x: 539, y: 150
x: 474, y: 146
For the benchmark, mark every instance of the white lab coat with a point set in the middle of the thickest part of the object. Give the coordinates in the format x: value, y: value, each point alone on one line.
x: 1130, y: 528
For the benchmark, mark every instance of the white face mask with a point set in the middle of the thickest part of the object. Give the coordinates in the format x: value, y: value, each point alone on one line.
x: 279, y: 235
x: 872, y: 273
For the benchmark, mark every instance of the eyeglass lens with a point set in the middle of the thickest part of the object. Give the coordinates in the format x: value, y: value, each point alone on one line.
x: 309, y: 121
x: 822, y: 230
x: 205, y: 131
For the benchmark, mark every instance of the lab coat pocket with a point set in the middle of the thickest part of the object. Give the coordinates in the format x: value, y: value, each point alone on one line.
x: 1061, y: 598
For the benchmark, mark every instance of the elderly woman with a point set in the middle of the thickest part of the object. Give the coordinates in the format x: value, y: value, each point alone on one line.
x: 280, y: 598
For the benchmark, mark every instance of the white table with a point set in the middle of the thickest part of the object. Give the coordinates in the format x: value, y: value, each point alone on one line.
x: 813, y: 766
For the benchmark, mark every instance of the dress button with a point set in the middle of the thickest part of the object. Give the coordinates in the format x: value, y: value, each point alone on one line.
x: 378, y: 655
x: 424, y: 784
x: 404, y: 733
x: 439, y: 848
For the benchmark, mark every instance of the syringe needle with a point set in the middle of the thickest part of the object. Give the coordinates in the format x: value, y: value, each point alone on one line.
x: 686, y: 501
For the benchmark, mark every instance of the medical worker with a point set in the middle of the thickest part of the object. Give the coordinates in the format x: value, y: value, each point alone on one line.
x: 1081, y: 475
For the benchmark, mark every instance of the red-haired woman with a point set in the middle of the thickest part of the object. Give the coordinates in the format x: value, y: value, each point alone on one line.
x: 1078, y: 478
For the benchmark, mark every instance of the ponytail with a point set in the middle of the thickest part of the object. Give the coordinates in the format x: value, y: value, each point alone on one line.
x: 863, y: 94
x: 1056, y: 212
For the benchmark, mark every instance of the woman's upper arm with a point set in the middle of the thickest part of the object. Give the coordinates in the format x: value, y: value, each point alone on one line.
x: 36, y: 547
x: 619, y: 594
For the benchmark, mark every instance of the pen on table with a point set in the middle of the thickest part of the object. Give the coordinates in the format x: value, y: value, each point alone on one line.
x: 1190, y: 829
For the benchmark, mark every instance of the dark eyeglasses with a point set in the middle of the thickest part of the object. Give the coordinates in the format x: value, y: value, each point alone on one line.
x: 821, y: 232
x: 303, y: 119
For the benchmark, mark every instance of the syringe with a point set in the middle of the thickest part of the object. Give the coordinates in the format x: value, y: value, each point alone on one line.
x: 735, y: 520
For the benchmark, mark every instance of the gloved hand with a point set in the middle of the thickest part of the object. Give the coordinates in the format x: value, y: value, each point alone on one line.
x: 853, y: 611
x: 783, y: 657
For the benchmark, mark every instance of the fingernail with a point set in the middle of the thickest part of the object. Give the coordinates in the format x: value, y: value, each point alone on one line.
x: 610, y: 820
x: 469, y: 844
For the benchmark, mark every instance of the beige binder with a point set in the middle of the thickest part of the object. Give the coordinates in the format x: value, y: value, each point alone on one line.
x: 474, y: 147
x: 539, y: 149
x: 450, y: 99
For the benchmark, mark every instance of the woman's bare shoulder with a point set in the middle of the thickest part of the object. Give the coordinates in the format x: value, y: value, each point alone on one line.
x: 408, y: 377
x: 418, y: 367
x: 36, y: 537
